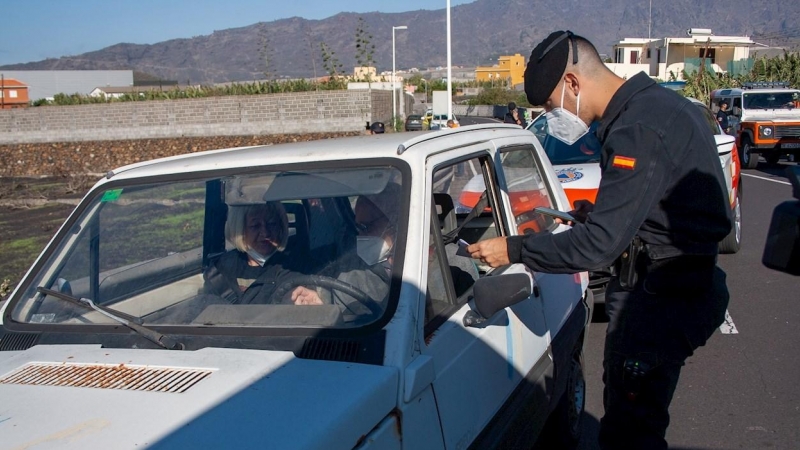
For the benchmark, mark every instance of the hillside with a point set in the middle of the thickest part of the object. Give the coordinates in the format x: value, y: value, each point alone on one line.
x: 482, y: 31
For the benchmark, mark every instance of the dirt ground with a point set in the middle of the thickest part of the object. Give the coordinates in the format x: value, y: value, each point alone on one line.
x: 31, y: 211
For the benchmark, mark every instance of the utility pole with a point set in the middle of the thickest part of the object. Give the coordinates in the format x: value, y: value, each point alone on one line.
x: 650, y: 20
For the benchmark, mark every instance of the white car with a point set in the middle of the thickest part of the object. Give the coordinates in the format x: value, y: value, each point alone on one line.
x: 117, y: 337
x: 439, y: 121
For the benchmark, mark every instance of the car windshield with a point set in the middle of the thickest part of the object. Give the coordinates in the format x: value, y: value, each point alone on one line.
x: 585, y: 150
x: 770, y: 100
x: 252, y: 249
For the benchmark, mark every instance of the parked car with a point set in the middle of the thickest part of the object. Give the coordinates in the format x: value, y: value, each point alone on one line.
x: 439, y: 121
x: 120, y: 335
x: 414, y: 123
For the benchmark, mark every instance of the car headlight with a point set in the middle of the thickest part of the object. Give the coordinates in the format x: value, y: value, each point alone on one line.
x: 765, y: 131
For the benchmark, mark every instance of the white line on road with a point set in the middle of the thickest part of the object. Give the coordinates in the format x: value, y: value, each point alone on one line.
x: 728, y: 327
x: 766, y: 179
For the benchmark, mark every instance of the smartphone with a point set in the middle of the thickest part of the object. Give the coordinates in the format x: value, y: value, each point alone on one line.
x: 566, y: 217
x: 462, y: 248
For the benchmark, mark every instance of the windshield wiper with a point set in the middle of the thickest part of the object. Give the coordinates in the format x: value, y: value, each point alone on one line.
x: 147, y: 333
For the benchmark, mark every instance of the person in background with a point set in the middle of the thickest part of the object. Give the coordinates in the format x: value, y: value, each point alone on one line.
x: 722, y: 117
x: 668, y: 295
x: 513, y: 116
x: 452, y: 123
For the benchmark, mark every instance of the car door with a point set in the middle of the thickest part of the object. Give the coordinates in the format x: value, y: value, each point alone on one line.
x: 477, y: 368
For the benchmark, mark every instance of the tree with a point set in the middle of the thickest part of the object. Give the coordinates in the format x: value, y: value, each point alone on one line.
x: 365, y: 49
x: 265, y: 52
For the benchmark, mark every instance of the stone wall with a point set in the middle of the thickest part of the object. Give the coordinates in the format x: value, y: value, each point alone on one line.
x: 272, y: 114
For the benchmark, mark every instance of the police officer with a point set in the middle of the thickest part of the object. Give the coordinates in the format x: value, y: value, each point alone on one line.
x: 660, y: 212
x: 722, y: 117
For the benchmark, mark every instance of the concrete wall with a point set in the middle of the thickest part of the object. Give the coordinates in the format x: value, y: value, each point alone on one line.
x: 291, y: 113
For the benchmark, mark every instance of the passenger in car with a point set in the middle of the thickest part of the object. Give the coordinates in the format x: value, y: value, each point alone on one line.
x: 249, y: 272
x: 369, y: 268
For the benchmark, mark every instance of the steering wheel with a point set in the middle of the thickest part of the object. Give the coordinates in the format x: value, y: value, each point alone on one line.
x: 328, y: 283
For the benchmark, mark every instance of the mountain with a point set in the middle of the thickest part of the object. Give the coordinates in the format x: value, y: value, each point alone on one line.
x: 481, y: 31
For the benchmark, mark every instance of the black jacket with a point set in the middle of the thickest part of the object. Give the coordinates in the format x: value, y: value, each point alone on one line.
x: 222, y: 278
x: 661, y: 180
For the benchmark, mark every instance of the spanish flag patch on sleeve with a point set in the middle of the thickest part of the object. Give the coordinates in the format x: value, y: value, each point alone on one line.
x: 623, y: 162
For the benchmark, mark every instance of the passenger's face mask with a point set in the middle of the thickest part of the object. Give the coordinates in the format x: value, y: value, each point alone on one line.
x: 258, y: 257
x: 563, y: 125
x: 372, y: 249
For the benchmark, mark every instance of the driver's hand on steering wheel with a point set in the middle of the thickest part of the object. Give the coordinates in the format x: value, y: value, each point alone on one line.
x: 305, y: 296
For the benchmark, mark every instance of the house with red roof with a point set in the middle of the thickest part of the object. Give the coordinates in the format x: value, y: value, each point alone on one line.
x: 13, y: 94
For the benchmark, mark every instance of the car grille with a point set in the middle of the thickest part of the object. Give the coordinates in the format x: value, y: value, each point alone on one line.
x: 107, y: 376
x: 787, y: 131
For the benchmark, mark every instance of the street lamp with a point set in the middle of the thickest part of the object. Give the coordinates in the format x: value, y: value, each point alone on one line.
x: 394, y: 77
x: 449, y: 69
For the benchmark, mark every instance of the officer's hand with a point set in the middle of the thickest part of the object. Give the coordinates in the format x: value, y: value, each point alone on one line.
x: 493, y: 252
x: 581, y: 211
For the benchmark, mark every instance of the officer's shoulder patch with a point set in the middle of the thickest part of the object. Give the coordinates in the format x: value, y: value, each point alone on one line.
x: 623, y: 162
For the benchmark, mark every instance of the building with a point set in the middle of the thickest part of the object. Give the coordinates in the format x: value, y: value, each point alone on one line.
x: 13, y: 94
x: 47, y: 83
x: 511, y: 68
x: 661, y: 58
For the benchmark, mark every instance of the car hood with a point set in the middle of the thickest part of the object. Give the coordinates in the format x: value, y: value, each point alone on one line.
x: 774, y: 115
x: 580, y: 181
x: 215, y: 398
x: 578, y: 176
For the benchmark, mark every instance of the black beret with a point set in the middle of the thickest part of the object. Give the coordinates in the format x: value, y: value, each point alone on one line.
x: 544, y: 71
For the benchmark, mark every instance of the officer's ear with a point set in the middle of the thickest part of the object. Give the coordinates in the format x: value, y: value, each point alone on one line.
x: 572, y: 84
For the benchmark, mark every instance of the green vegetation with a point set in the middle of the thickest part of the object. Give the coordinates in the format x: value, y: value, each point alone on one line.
x: 365, y: 49
x: 700, y: 84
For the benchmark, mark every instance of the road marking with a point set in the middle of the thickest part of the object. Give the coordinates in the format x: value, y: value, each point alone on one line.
x: 766, y: 179
x: 728, y: 327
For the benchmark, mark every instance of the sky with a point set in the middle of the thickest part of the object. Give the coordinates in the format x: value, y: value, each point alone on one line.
x: 33, y: 30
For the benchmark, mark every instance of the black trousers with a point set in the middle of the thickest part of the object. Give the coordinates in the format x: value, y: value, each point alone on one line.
x: 652, y: 330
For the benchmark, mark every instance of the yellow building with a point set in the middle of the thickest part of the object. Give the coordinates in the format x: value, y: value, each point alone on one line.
x: 508, y: 67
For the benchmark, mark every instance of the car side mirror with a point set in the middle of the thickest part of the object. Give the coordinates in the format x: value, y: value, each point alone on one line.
x: 737, y: 111
x: 492, y: 294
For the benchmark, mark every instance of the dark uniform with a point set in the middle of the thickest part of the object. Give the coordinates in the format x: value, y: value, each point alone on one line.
x: 662, y: 183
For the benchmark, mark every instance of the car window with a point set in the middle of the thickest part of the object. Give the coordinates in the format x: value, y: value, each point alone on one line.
x: 768, y: 100
x: 231, y: 250
x: 457, y: 190
x: 527, y: 189
x: 586, y: 150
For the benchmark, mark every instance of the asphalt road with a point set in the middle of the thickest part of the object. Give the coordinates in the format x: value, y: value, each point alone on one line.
x: 741, y: 390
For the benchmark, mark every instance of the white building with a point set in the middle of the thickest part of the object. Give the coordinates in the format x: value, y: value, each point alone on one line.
x: 671, y: 55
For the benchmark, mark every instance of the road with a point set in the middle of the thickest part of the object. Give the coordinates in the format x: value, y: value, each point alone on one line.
x: 741, y: 390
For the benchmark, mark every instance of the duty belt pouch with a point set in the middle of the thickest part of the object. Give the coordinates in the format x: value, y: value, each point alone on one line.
x: 628, y: 275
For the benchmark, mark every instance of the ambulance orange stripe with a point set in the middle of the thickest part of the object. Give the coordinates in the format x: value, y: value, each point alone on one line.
x: 624, y: 162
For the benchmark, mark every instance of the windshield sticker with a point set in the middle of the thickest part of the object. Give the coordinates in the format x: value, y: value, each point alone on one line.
x: 111, y: 196
x: 569, y: 175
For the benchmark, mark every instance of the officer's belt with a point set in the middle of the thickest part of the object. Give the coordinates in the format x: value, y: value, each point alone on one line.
x: 657, y: 252
x: 641, y: 258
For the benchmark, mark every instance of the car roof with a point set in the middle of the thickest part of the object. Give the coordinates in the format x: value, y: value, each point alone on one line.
x: 387, y: 145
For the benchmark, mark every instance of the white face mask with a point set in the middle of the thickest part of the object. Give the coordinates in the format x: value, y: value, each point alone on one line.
x: 258, y: 257
x: 372, y: 249
x: 563, y: 125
